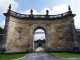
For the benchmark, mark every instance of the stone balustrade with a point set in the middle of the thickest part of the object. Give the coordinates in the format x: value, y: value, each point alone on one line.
x: 18, y: 15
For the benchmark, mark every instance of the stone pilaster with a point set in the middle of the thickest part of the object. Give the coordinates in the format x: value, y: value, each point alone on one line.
x: 48, y: 36
x: 30, y: 37
x: 6, y: 28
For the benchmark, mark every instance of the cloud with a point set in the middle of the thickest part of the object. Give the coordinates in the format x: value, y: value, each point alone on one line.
x: 55, y: 10
x: 5, y: 3
x: 43, y: 11
x: 60, y: 9
x: 39, y: 30
x: 77, y: 21
x: 4, y: 6
x: 39, y: 36
x: 28, y: 12
x: 75, y: 4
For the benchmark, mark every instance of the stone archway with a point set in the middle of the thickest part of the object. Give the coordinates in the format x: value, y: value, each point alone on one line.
x: 39, y: 27
x: 59, y: 30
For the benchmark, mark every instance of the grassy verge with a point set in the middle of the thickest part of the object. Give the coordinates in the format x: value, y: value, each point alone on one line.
x: 10, y: 56
x: 66, y: 54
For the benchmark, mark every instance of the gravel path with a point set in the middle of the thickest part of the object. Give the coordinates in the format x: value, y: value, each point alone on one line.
x: 44, y: 56
x: 39, y: 49
x: 40, y: 54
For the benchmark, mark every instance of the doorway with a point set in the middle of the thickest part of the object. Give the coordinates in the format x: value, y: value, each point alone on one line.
x: 39, y: 39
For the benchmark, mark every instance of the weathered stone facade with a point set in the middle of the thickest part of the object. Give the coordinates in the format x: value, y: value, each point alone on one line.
x: 19, y: 31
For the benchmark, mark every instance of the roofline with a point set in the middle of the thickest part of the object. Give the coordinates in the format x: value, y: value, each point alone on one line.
x: 32, y: 16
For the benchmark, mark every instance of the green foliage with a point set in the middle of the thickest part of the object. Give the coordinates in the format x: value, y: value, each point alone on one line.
x: 10, y: 56
x: 66, y: 54
x: 0, y: 27
x: 41, y: 41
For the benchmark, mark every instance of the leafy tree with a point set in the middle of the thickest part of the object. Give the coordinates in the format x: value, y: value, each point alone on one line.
x: 0, y: 28
x: 42, y: 41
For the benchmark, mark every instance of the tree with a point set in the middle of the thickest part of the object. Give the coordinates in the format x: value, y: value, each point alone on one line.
x: 42, y: 41
x: 0, y: 28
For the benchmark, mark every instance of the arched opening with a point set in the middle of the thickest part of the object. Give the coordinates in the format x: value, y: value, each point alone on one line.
x: 39, y: 39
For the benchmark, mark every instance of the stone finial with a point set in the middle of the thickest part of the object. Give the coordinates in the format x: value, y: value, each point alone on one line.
x: 31, y: 11
x: 69, y: 12
x: 69, y: 8
x: 47, y: 12
x: 10, y: 7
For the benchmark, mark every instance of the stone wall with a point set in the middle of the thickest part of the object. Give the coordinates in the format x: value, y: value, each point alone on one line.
x: 18, y: 37
x: 59, y: 34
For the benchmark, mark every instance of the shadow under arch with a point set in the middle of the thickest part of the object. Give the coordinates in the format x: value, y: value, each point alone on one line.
x: 39, y: 27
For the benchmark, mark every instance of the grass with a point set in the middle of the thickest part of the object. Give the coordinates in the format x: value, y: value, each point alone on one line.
x: 11, y: 56
x: 66, y: 54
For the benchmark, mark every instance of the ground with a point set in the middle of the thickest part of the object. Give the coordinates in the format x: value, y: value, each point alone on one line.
x: 40, y: 54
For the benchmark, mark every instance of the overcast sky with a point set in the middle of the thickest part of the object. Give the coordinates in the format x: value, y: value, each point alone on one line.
x: 40, y: 35
x: 40, y: 6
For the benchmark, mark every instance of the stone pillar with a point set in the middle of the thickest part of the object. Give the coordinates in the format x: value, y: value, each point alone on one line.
x: 6, y: 28
x: 5, y: 31
x: 47, y: 37
x: 30, y: 38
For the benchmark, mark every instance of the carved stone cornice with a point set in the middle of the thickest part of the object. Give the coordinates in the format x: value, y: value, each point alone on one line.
x: 38, y: 17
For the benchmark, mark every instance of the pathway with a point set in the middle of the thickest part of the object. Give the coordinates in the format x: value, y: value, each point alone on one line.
x: 39, y: 49
x: 40, y: 54
x: 43, y: 56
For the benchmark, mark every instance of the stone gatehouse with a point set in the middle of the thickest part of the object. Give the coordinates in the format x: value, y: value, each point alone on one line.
x: 19, y: 30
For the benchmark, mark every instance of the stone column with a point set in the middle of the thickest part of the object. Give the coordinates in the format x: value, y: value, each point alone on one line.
x: 5, y: 31
x: 30, y: 38
x: 6, y: 28
x: 47, y: 36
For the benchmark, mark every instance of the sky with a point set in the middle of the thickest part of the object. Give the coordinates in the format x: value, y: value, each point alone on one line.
x: 39, y: 35
x: 39, y: 7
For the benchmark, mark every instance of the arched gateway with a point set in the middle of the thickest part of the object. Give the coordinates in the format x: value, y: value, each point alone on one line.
x: 19, y: 29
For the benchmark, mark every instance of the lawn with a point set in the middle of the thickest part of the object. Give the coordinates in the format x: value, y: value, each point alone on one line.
x: 66, y: 54
x: 11, y: 56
